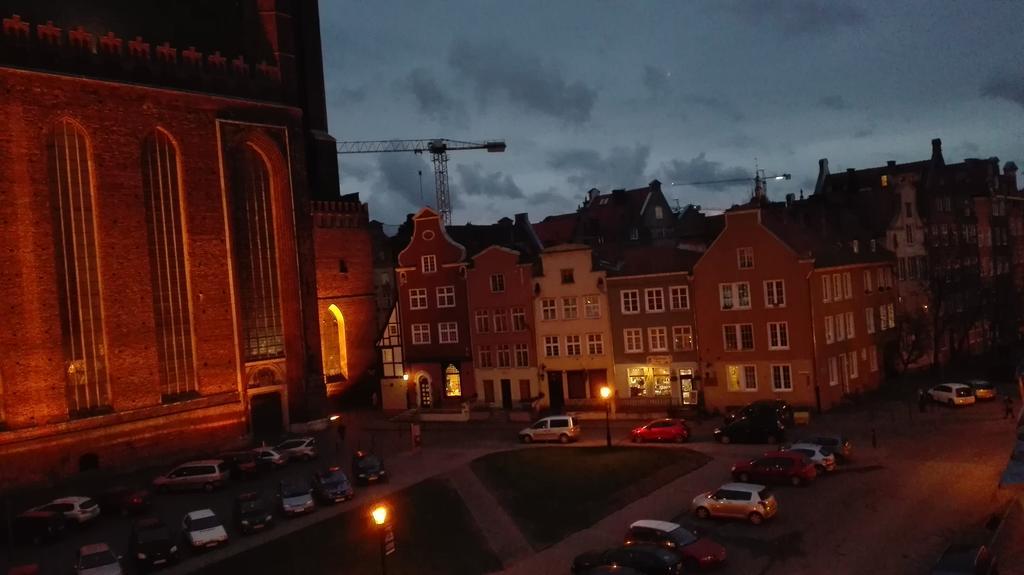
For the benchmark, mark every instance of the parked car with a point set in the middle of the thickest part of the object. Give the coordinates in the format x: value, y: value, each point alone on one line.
x: 966, y: 559
x: 302, y: 448
x: 241, y: 464
x: 368, y: 468
x: 764, y: 430
x: 25, y: 569
x: 97, y: 559
x: 202, y: 529
x: 822, y: 457
x: 124, y: 500
x: 662, y: 430
x: 152, y: 544
x: 252, y: 513
x: 612, y: 570
x: 332, y: 486
x: 295, y: 498
x: 77, y: 510
x: 697, y: 552
x: 269, y: 458
x: 776, y: 467
x: 764, y: 409
x: 649, y: 559
x: 561, y: 428
x: 952, y: 394
x: 207, y: 475
x: 749, y: 501
x: 982, y: 389
x: 837, y: 444
x: 38, y: 526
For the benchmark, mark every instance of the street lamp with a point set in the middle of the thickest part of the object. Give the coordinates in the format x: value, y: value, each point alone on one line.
x: 606, y: 395
x: 380, y: 518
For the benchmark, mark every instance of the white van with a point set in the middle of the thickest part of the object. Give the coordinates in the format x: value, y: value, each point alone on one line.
x: 560, y: 428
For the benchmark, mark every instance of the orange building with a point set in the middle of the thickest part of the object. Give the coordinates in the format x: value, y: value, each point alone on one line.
x: 786, y: 312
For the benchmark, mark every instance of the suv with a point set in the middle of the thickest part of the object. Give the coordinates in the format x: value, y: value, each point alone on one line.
x: 747, y: 430
x: 207, y: 475
x: 302, y: 448
x: 952, y: 394
x: 742, y: 500
x: 764, y: 409
x: 561, y: 428
x: 152, y: 544
x: 697, y: 552
x: 776, y: 466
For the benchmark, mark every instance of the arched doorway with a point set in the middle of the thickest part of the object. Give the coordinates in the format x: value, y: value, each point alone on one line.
x: 426, y: 393
x: 332, y: 345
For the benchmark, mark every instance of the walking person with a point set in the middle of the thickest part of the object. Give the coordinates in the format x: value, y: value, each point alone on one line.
x: 1008, y: 407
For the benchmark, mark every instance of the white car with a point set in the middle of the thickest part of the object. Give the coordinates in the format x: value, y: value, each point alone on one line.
x: 952, y: 394
x: 97, y: 559
x: 303, y: 448
x: 560, y: 428
x: 203, y: 529
x: 821, y: 457
x: 77, y: 510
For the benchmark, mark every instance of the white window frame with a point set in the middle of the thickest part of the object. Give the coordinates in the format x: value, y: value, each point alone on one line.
x: 830, y: 334
x: 445, y: 296
x: 826, y: 289
x: 882, y: 319
x: 591, y: 307
x: 629, y: 299
x: 418, y: 296
x: 552, y: 343
x: 484, y: 357
x: 657, y: 339
x: 851, y: 361
x: 779, y: 383
x: 678, y: 297
x: 521, y: 353
x: 420, y: 333
x: 833, y: 371
x: 545, y: 308
x: 482, y: 318
x: 655, y: 296
x: 502, y: 352
x: 737, y: 330
x: 837, y: 287
x: 428, y: 264
x: 573, y: 343
x: 595, y: 344
x: 869, y: 319
x: 847, y: 285
x: 500, y: 280
x: 500, y: 320
x: 733, y: 289
x: 778, y: 331
x: 448, y: 332
x: 867, y: 281
x: 684, y: 335
x: 570, y: 303
x: 745, y: 255
x: 519, y: 318
x: 633, y: 340
x: 851, y: 329
x: 873, y: 359
x: 892, y: 315
x: 775, y: 293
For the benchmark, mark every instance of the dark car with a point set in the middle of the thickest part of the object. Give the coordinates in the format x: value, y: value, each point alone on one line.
x: 38, y: 526
x: 649, y: 559
x: 125, y: 500
x: 332, y: 486
x: 764, y: 409
x: 966, y: 559
x: 368, y: 468
x: 662, y: 430
x: 242, y: 464
x: 696, y: 551
x: 776, y: 467
x: 612, y: 570
x: 252, y: 513
x: 746, y: 430
x: 152, y: 544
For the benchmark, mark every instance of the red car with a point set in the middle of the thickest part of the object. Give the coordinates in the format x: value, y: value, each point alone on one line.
x: 776, y: 467
x: 697, y: 552
x: 662, y: 430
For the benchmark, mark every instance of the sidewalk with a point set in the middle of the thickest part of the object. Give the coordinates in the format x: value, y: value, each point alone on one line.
x: 507, y: 542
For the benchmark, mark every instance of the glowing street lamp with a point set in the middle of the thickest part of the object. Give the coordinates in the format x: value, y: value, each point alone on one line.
x: 606, y: 395
x: 380, y: 514
x: 387, y: 537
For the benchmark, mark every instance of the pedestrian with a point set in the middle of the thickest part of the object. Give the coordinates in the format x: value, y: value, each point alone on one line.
x: 1008, y: 406
x: 922, y: 401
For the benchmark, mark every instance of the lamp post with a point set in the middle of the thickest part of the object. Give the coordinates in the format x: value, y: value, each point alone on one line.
x: 606, y: 395
x: 380, y: 518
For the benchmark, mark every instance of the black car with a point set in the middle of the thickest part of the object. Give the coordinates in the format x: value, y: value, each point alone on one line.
x: 242, y: 464
x: 332, y: 486
x: 252, y: 513
x: 966, y: 559
x: 152, y: 544
x: 38, y: 526
x: 649, y: 559
x: 368, y: 468
x: 746, y: 430
x: 124, y: 500
x: 771, y: 409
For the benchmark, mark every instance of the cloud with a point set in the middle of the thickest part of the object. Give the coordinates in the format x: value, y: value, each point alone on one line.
x: 1004, y: 88
x: 800, y: 16
x: 474, y: 182
x: 656, y: 80
x: 354, y: 168
x: 716, y: 104
x: 396, y: 190
x: 496, y: 69
x: 701, y: 169
x: 586, y: 168
x: 834, y: 102
x: 431, y: 100
x: 551, y: 197
x: 864, y: 133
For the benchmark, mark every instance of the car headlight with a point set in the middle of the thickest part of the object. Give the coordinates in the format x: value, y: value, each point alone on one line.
x: 708, y: 558
x: 245, y: 522
x: 141, y: 556
x: 270, y: 518
x: 174, y: 548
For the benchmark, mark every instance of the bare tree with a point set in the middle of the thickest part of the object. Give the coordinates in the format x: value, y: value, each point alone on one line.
x: 915, y: 337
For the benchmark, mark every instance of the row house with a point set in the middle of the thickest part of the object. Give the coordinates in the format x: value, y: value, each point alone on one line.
x: 788, y: 313
x: 638, y: 216
x: 573, y: 336
x: 653, y: 335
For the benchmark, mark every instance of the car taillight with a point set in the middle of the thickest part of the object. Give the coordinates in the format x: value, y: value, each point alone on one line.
x: 136, y: 500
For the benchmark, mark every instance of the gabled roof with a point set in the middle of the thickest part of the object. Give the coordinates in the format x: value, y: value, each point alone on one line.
x: 557, y: 229
x: 612, y: 215
x: 517, y: 235
x: 621, y: 261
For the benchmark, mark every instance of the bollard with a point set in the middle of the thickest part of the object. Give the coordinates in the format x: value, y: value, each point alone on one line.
x: 874, y: 439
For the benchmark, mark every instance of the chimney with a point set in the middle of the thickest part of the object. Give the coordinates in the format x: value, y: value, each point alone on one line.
x: 591, y: 194
x: 819, y: 185
x: 937, y: 151
x: 655, y: 185
x: 890, y: 164
x: 1010, y: 169
x: 855, y: 245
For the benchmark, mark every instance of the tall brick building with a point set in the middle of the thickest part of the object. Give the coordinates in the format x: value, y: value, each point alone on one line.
x: 158, y: 271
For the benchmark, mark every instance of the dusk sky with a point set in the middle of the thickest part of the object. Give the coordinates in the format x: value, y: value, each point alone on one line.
x: 593, y: 93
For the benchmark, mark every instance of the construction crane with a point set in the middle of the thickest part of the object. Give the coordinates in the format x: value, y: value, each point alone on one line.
x: 437, y: 148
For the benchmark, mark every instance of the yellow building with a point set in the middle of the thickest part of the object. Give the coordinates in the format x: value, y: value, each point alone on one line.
x: 574, y: 343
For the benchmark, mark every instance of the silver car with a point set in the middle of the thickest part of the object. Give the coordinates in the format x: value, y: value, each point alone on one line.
x: 560, y: 428
x: 207, y: 475
x: 749, y: 501
x: 296, y: 498
x: 300, y: 448
x: 822, y: 457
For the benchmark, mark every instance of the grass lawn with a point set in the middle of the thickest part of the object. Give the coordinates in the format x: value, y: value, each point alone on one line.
x: 434, y: 534
x: 553, y: 492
